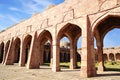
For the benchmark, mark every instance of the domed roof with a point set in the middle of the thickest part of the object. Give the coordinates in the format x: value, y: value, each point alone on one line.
x: 64, y: 44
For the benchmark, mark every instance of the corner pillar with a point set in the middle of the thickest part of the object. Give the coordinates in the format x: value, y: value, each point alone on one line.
x: 56, y: 53
x: 4, y: 54
x: 22, y: 54
x: 9, y: 55
x: 73, y: 63
x: 33, y: 61
x: 41, y: 59
x: 100, y: 57
x: 88, y: 54
x: 51, y: 56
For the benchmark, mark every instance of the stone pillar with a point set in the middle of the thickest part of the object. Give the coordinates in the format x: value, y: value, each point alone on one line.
x: 0, y: 53
x: 51, y: 56
x: 9, y: 55
x: 115, y: 57
x: 56, y: 53
x: 100, y: 57
x: 5, y: 52
x: 41, y: 54
x: 88, y: 54
x: 56, y: 59
x: 73, y: 63
x: 22, y: 54
x: 108, y: 56
x: 33, y: 61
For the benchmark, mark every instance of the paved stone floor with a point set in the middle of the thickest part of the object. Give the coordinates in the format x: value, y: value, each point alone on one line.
x: 15, y: 72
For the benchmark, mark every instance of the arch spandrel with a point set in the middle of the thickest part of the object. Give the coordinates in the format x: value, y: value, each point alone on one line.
x: 26, y: 39
x: 101, y: 18
x: 106, y: 24
x: 45, y: 34
x: 69, y: 30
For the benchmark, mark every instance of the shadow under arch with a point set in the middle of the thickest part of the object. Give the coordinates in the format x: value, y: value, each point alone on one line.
x: 45, y: 48
x: 26, y: 48
x: 104, y: 25
x: 105, y: 57
x: 111, y: 57
x: 16, y: 50
x: 1, y: 51
x: 6, y: 50
x: 72, y: 32
x: 118, y: 57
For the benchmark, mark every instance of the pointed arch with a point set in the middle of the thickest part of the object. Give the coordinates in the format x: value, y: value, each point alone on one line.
x: 118, y: 57
x: 26, y: 47
x: 16, y: 50
x: 72, y: 32
x: 45, y: 47
x: 111, y: 57
x: 105, y: 58
x: 100, y: 28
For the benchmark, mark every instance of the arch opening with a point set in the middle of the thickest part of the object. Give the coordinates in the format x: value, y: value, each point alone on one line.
x: 1, y: 52
x: 79, y: 52
x: 72, y: 33
x: 118, y: 57
x: 45, y: 48
x: 64, y: 52
x: 106, y: 25
x: 111, y: 57
x: 27, y: 44
x: 16, y: 50
x: 105, y: 58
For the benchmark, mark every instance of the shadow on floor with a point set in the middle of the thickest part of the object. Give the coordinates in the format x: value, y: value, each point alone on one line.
x: 108, y: 73
x: 69, y: 70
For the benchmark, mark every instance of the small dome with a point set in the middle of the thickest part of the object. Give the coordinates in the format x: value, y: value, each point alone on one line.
x: 64, y: 44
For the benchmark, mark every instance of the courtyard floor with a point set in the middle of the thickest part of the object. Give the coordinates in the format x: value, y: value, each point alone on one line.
x: 14, y: 72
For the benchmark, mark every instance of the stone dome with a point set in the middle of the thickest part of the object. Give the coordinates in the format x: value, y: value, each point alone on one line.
x: 64, y: 44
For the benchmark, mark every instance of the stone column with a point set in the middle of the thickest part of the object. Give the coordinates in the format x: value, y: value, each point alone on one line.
x: 51, y: 56
x: 41, y: 54
x: 108, y: 56
x: 9, y: 55
x: 0, y: 53
x: 56, y: 52
x: 115, y: 57
x: 33, y: 59
x: 22, y: 54
x: 5, y: 51
x: 88, y: 54
x: 100, y: 57
x: 73, y: 63
x: 56, y: 59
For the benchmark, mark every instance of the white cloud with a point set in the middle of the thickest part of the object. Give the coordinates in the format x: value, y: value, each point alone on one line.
x: 31, y: 6
x: 14, y: 9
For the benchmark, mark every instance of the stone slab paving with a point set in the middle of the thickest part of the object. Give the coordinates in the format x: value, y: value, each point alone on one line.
x: 14, y: 72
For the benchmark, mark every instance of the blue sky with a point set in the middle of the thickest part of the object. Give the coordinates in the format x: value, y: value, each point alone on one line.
x: 14, y: 11
x: 112, y: 39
